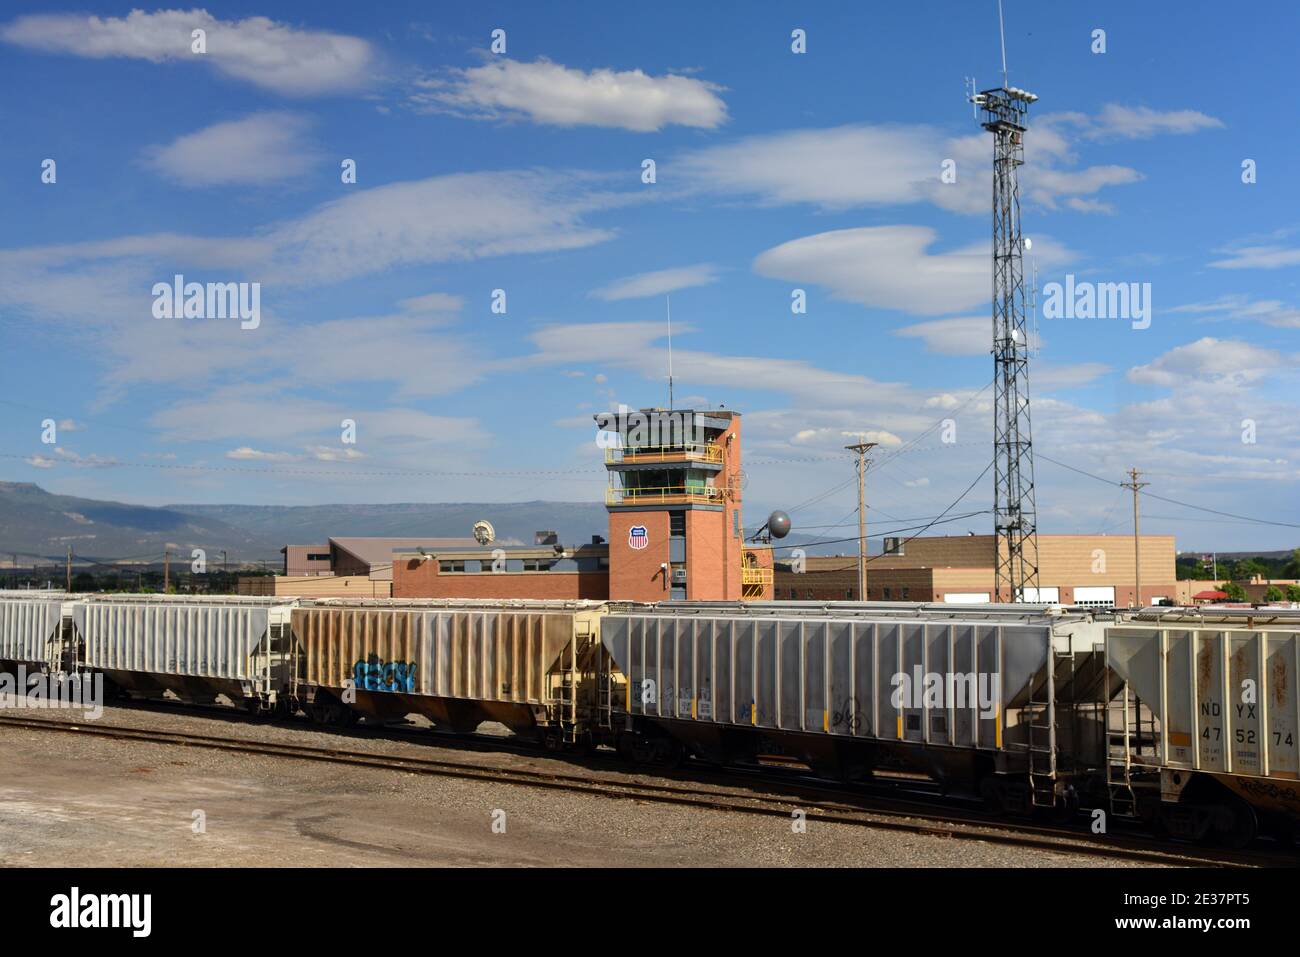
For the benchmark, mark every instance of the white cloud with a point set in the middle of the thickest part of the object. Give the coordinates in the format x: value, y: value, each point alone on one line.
x: 262, y: 414
x: 1137, y: 122
x: 891, y: 267
x: 83, y: 461
x: 964, y: 336
x: 433, y: 303
x: 1258, y: 257
x: 1210, y: 363
x: 246, y: 454
x: 274, y: 56
x: 656, y: 283
x: 1239, y: 307
x: 445, y: 218
x: 41, y: 462
x: 837, y: 168
x: 861, y: 165
x: 327, y: 453
x: 554, y: 94
x: 263, y: 148
x: 102, y: 287
x: 1044, y: 377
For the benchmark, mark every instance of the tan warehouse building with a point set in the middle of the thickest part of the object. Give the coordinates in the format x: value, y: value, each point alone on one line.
x: 1093, y: 570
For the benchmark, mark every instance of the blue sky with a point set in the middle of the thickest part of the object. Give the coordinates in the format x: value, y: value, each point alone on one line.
x: 522, y: 171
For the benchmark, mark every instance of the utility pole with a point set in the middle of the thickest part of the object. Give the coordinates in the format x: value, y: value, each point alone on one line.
x: 68, y: 587
x: 167, y: 559
x: 861, y: 448
x: 1136, y: 486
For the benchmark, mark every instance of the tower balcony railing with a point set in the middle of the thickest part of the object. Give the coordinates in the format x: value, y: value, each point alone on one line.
x: 689, y: 452
x: 697, y: 495
x: 753, y: 575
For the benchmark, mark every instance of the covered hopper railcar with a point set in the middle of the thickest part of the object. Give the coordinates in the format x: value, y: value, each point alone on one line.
x: 457, y: 662
x: 1220, y: 751
x: 967, y: 697
x: 32, y: 627
x: 195, y: 647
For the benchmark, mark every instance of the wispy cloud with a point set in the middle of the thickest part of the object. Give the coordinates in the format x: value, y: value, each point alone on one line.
x: 558, y: 95
x: 257, y: 50
x: 263, y: 148
x: 656, y: 283
x: 893, y: 267
x: 1116, y: 121
x: 1241, y: 308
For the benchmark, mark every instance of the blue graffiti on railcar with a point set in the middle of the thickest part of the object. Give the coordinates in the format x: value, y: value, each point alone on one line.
x: 375, y: 674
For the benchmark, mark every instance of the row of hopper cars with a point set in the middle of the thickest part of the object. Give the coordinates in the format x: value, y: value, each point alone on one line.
x: 1187, y: 720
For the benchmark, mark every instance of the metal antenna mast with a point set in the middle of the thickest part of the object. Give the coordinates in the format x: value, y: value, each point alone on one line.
x: 1015, y: 514
x: 668, y: 302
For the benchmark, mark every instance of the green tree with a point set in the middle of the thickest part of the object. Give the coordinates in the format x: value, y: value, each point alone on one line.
x: 1292, y: 568
x: 1273, y: 594
x: 1234, y: 591
x: 1293, y: 592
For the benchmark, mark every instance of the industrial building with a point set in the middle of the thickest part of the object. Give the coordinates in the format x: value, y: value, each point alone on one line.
x: 347, y: 567
x: 674, y: 501
x: 1089, y: 570
x: 675, y: 531
x: 371, y: 557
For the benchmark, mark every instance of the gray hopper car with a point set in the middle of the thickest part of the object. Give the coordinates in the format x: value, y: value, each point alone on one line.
x: 32, y: 629
x: 971, y: 703
x: 1221, y: 749
x: 195, y: 647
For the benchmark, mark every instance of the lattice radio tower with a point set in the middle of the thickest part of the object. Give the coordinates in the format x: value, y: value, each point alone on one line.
x: 1015, y: 515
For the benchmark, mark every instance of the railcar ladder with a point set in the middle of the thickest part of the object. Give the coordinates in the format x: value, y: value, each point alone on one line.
x: 1041, y: 736
x: 1119, y: 773
x: 573, y: 669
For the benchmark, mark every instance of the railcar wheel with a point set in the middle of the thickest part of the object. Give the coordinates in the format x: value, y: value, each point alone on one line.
x: 991, y: 794
x: 1240, y: 827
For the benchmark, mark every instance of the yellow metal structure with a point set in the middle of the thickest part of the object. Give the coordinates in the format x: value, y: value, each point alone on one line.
x: 703, y: 495
x: 692, y: 452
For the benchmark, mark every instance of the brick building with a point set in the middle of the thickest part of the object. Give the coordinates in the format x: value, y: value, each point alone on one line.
x: 675, y: 532
x: 1096, y: 570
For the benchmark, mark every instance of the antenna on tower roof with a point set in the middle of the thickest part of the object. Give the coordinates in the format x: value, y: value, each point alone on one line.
x: 1002, y: 33
x: 668, y: 301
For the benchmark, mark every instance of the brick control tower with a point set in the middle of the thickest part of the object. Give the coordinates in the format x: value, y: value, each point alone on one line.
x: 674, y: 504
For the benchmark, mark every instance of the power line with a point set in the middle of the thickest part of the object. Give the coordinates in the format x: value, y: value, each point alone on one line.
x: 892, y: 531
x: 1172, y: 501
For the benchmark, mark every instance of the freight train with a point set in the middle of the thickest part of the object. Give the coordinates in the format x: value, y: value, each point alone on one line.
x: 1186, y: 720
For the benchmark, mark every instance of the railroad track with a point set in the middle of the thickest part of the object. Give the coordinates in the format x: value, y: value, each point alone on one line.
x: 819, y: 804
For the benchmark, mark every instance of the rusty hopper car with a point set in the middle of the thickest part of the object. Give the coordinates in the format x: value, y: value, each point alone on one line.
x: 1002, y: 702
x: 195, y: 647
x: 456, y: 662
x: 1220, y: 753
x: 31, y: 629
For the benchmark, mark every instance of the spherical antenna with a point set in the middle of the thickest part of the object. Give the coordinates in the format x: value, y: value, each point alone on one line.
x: 778, y: 524
x: 484, y: 533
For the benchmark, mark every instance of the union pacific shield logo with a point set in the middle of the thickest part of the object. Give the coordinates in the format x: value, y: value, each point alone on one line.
x: 637, y: 537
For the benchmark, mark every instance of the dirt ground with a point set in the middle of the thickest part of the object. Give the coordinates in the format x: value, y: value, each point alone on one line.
x: 67, y: 800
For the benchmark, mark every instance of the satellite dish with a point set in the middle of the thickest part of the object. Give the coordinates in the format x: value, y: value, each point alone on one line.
x: 778, y: 524
x: 484, y: 533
